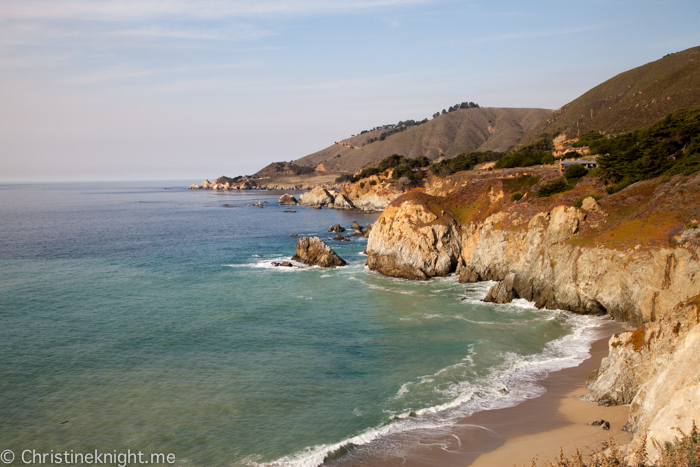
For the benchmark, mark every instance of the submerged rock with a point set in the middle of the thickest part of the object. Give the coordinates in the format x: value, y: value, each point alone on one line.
x: 294, y: 235
x: 315, y: 252
x: 340, y: 237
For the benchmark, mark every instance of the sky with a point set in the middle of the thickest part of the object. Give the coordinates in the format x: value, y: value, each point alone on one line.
x: 194, y: 89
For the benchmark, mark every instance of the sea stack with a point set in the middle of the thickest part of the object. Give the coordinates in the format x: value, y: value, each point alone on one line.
x: 315, y: 252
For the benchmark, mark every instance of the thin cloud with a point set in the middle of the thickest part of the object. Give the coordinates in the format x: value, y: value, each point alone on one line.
x: 536, y: 35
x: 130, y: 10
x: 235, y: 34
x: 128, y: 73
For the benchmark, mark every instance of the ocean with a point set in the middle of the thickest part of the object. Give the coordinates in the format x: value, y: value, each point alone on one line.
x: 147, y: 317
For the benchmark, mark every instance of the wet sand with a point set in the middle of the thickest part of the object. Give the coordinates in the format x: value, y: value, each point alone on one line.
x: 511, y: 436
x: 558, y: 420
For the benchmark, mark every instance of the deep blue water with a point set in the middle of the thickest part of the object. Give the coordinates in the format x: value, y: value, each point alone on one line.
x: 138, y: 317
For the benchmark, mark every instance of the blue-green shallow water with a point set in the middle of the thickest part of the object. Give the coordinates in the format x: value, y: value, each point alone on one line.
x: 152, y: 320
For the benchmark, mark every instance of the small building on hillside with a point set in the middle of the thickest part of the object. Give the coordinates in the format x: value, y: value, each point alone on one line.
x: 589, y: 164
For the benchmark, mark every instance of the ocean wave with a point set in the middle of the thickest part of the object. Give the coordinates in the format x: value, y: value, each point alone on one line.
x: 514, y: 381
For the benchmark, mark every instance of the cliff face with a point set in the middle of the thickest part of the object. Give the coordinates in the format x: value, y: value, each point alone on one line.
x: 633, y: 255
x: 655, y: 369
x: 412, y: 242
x: 371, y: 194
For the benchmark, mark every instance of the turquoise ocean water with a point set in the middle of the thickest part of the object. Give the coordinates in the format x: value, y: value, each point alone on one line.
x: 148, y: 317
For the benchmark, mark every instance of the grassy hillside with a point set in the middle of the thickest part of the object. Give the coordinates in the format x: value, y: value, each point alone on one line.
x: 631, y: 100
x: 447, y: 135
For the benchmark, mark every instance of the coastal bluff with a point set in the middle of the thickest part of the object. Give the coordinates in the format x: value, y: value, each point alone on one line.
x: 632, y: 255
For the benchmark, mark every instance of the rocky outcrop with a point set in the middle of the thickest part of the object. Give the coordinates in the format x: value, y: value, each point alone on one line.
x: 409, y: 241
x: 654, y: 369
x: 356, y: 227
x: 342, y: 202
x: 315, y: 252
x: 316, y: 197
x: 590, y: 204
x: 371, y: 194
x: 634, y: 255
x: 368, y: 230
x: 503, y: 292
x: 288, y: 200
x: 336, y: 228
x: 632, y: 285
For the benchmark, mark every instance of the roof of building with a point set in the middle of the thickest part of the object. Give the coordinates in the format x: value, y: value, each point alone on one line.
x: 580, y: 162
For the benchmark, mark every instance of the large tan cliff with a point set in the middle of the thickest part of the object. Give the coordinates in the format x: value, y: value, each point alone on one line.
x: 633, y: 255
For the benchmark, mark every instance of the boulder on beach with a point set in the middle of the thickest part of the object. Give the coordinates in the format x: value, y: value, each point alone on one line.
x: 315, y: 252
x: 288, y: 200
x: 336, y: 228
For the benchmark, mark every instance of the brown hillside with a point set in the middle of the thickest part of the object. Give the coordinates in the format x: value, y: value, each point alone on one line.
x: 631, y: 100
x: 449, y: 134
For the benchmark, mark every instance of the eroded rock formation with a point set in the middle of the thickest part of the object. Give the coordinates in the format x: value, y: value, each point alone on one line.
x: 409, y: 241
x: 288, y: 200
x: 315, y: 252
x: 316, y: 197
x: 634, y: 255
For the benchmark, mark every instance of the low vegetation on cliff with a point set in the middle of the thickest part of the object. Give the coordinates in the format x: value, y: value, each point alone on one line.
x: 670, y: 147
x: 683, y: 451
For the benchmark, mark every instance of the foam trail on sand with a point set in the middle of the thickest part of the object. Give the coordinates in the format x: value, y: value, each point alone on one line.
x: 519, y: 375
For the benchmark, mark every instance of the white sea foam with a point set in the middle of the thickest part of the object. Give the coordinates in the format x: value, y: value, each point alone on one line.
x: 519, y: 375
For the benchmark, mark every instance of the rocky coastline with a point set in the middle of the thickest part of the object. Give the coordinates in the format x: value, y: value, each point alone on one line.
x: 370, y: 195
x: 632, y: 255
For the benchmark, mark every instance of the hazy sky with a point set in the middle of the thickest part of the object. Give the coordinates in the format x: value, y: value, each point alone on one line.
x: 188, y: 89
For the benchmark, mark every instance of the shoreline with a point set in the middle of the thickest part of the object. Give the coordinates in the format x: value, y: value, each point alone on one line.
x: 539, y: 428
x: 511, y: 436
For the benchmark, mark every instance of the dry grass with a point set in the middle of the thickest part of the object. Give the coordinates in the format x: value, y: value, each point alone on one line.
x: 683, y: 451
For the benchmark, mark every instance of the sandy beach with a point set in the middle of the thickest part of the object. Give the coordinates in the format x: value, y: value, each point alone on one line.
x: 560, y: 421
x: 512, y: 436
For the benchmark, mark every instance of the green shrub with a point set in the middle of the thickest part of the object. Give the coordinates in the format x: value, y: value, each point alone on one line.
x: 516, y: 196
x: 587, y: 138
x: 390, y: 162
x: 575, y: 171
x: 525, y: 158
x: 671, y: 146
x: 550, y: 189
x: 362, y: 184
x: 372, y: 182
x: 464, y: 161
x: 619, y: 186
